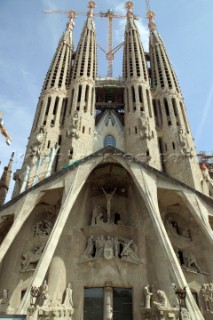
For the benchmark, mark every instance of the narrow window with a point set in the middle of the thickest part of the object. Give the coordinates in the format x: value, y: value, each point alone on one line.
x: 133, y: 94
x: 149, y: 103
x: 48, y: 106
x: 79, y: 93
x: 56, y: 106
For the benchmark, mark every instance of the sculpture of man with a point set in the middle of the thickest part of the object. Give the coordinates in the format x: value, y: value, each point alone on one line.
x: 162, y: 300
x: 68, y: 302
x: 43, y: 299
x: 99, y: 246
x: 108, y: 199
x: 148, y: 295
x: 90, y: 247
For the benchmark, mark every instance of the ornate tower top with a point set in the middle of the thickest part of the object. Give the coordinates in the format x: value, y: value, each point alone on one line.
x: 129, y: 5
x: 152, y: 25
x: 91, y: 6
x: 71, y: 14
x: 150, y: 15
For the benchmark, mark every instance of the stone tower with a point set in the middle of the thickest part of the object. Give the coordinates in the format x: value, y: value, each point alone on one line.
x: 102, y: 224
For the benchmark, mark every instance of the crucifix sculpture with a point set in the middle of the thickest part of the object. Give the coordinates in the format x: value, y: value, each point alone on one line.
x: 108, y: 200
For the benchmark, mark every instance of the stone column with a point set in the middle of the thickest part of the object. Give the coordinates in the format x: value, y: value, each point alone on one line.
x: 108, y: 301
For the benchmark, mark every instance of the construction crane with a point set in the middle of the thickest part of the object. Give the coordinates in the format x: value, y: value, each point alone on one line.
x: 4, y: 131
x: 110, y: 15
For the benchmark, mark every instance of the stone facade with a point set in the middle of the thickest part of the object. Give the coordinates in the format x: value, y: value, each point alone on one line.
x: 106, y: 221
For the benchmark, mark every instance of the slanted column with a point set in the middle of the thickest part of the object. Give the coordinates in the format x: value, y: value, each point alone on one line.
x: 147, y: 186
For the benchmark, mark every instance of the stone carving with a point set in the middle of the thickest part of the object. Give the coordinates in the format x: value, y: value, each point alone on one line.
x: 73, y: 129
x: 162, y: 300
x: 68, y: 302
x: 185, y: 149
x: 99, y: 247
x: 42, y: 228
x: 185, y: 314
x: 90, y: 247
x: 97, y: 216
x: 145, y: 131
x: 43, y: 299
x: 4, y: 298
x: 108, y: 249
x: 207, y: 294
x: 108, y: 200
x: 206, y: 176
x: 31, y: 258
x: 175, y: 230
x: 35, y: 149
x: 148, y: 295
x: 128, y: 253
x: 190, y: 263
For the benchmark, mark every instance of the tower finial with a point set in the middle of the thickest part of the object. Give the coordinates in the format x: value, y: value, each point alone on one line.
x: 150, y: 15
x: 129, y: 5
x: 71, y: 14
x: 91, y: 6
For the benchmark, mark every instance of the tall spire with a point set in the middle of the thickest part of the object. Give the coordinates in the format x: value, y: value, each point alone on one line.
x: 78, y: 137
x: 174, y: 136
x: 45, y: 137
x: 5, y: 180
x: 139, y: 122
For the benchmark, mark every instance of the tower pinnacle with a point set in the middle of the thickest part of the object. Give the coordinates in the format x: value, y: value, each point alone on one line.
x: 91, y: 6
x: 129, y: 6
x: 152, y: 25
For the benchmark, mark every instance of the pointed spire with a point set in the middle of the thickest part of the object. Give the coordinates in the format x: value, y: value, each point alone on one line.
x: 134, y: 62
x: 5, y: 180
x: 58, y: 75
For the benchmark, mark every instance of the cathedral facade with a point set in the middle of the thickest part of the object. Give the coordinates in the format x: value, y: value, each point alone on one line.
x: 111, y: 216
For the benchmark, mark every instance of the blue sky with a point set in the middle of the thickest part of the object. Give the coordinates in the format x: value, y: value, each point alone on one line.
x: 28, y: 39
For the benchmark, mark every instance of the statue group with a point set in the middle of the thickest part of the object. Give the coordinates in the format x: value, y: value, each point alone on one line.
x: 109, y: 247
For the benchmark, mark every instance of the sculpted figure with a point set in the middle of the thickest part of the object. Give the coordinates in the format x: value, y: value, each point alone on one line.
x: 32, y: 257
x: 4, y: 298
x: 90, y: 247
x: 97, y: 216
x: 68, y: 302
x: 145, y: 131
x: 108, y: 200
x: 116, y: 245
x: 162, y: 300
x: 205, y: 295
x: 44, y: 299
x: 99, y: 246
x: 190, y: 262
x: 128, y: 253
x: 108, y: 248
x: 42, y: 228
x: 148, y: 295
